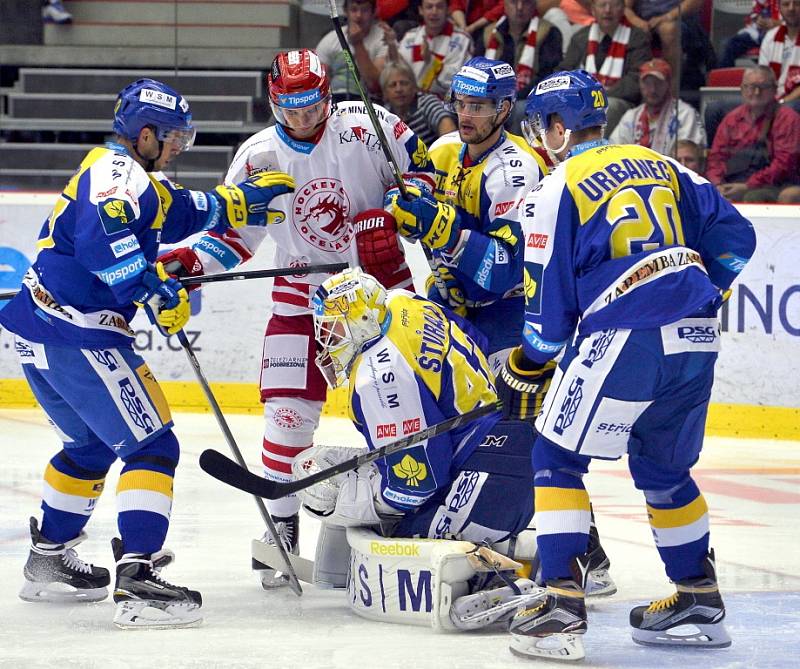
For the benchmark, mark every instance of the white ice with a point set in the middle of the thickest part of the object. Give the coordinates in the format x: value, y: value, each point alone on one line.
x: 751, y: 487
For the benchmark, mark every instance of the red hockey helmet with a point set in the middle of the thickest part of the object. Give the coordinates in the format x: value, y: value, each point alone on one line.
x: 299, y: 89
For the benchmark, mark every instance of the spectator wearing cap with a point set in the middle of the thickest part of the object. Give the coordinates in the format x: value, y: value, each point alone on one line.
x: 755, y: 154
x: 660, y: 120
x: 612, y: 51
x: 436, y: 50
x: 422, y: 112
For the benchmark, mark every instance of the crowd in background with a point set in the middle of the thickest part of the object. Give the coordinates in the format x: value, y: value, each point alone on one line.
x: 649, y: 54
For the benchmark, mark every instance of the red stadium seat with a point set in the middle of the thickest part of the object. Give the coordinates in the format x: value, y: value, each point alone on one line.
x: 725, y: 76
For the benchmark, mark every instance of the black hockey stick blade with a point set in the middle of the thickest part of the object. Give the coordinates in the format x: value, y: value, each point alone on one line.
x: 264, y: 273
x: 226, y: 470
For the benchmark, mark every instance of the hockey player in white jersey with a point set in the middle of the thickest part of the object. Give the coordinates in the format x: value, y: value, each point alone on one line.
x: 334, y: 215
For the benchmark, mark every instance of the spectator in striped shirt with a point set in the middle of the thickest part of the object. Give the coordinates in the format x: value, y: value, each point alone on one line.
x: 422, y: 112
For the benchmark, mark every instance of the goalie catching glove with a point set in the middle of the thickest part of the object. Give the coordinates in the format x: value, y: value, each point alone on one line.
x: 436, y: 224
x: 379, y: 249
x: 522, y: 385
x: 164, y: 299
x: 247, y: 203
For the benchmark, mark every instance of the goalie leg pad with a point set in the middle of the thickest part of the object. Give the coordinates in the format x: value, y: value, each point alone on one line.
x: 332, y: 559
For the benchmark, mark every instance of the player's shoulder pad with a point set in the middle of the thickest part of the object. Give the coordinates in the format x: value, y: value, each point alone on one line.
x: 115, y: 175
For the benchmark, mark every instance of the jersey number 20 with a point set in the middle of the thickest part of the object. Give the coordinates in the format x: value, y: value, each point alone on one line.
x: 643, y: 226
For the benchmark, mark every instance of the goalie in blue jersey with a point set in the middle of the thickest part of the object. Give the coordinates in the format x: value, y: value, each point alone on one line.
x: 628, y: 256
x: 71, y: 322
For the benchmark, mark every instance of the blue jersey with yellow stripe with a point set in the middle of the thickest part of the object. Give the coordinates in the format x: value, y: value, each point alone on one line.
x: 423, y: 369
x: 487, y: 193
x: 94, y: 247
x: 623, y: 237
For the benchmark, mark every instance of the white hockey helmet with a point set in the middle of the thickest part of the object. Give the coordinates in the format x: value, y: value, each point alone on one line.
x: 349, y: 312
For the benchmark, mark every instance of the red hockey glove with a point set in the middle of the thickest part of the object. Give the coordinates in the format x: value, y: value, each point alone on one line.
x: 182, y: 262
x: 379, y: 250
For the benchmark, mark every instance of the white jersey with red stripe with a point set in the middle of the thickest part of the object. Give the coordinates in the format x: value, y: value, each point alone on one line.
x: 339, y: 176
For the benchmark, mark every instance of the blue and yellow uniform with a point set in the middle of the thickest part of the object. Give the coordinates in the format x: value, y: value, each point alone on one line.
x: 627, y: 254
x: 487, y: 194
x: 425, y: 368
x: 73, y: 338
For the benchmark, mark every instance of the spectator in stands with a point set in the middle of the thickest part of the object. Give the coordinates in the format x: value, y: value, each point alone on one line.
x: 473, y: 17
x: 675, y: 26
x: 780, y: 50
x: 613, y: 52
x: 756, y: 151
x: 422, y: 112
x: 53, y: 11
x: 654, y: 122
x: 529, y: 43
x: 368, y: 42
x: 764, y: 16
x: 436, y: 50
x: 690, y: 155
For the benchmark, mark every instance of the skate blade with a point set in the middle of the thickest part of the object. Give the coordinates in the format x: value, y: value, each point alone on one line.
x: 558, y: 647
x: 696, y: 636
x: 60, y: 593
x: 271, y: 578
x: 155, y: 615
x: 472, y: 618
x: 600, y: 584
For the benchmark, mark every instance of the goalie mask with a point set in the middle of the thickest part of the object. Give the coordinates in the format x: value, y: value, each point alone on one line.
x: 349, y: 313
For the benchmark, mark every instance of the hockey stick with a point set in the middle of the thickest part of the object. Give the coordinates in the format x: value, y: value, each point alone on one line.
x: 350, y: 61
x: 241, y: 276
x: 294, y: 583
x: 226, y: 470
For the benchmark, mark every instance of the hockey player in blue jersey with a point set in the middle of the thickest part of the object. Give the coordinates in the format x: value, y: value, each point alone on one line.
x: 73, y: 338
x: 470, y: 225
x: 628, y: 258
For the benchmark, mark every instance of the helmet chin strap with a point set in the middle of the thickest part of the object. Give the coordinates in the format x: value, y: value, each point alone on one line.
x: 553, y: 152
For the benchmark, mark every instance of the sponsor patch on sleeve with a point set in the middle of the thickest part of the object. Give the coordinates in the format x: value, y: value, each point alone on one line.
x: 115, y: 215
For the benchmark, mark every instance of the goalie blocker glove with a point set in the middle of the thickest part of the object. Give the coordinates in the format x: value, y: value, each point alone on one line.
x: 522, y: 385
x: 379, y: 249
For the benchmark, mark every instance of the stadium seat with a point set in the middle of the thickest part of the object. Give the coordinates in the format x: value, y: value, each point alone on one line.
x: 725, y: 76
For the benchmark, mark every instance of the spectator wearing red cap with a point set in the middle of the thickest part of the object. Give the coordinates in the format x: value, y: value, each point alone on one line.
x: 659, y: 122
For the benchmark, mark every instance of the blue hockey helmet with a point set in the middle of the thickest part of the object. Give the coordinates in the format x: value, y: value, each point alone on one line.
x: 576, y: 96
x: 484, y: 78
x: 148, y: 102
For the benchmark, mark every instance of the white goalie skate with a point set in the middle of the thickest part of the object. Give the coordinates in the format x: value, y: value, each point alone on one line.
x: 489, y: 607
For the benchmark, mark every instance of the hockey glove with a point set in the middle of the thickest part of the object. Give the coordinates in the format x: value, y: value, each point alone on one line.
x: 379, y: 249
x: 435, y: 224
x: 443, y: 288
x: 522, y: 385
x: 182, y: 262
x: 247, y: 203
x: 164, y: 299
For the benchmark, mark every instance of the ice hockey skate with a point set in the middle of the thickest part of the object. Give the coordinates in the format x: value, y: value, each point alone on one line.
x: 498, y: 605
x: 55, y: 573
x: 691, y: 617
x: 553, y: 630
x: 288, y: 530
x: 144, y: 599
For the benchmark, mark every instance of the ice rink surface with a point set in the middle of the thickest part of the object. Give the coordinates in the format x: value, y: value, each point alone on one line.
x: 751, y: 487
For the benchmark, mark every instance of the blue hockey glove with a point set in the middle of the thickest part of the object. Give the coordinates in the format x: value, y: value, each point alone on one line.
x: 247, y: 203
x: 164, y: 299
x: 522, y: 385
x: 421, y: 217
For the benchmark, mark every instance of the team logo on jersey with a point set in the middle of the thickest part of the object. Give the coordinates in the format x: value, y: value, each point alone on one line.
x: 420, y: 157
x: 321, y: 212
x: 411, y: 470
x: 531, y: 282
x: 569, y: 406
x: 358, y: 133
x: 115, y: 215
